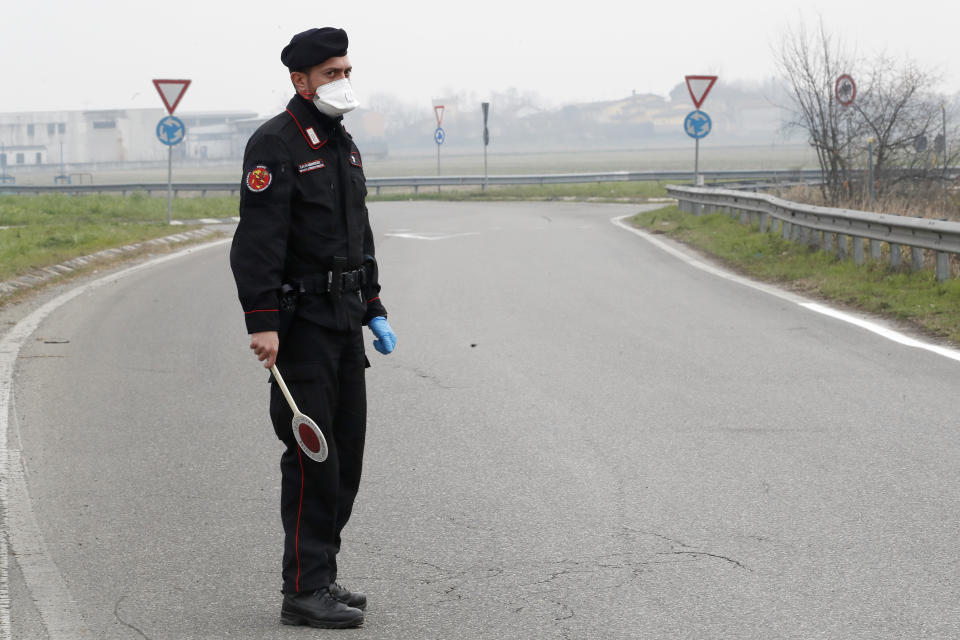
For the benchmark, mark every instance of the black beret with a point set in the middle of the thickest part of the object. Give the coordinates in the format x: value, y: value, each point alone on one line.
x: 313, y: 46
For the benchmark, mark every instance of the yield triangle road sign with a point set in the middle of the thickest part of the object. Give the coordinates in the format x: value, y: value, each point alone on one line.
x: 699, y: 87
x: 438, y: 110
x: 171, y: 91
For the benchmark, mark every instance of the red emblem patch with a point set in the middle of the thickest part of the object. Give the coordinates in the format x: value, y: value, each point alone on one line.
x: 259, y: 179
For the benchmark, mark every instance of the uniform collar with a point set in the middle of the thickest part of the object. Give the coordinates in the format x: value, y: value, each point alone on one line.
x: 315, y: 127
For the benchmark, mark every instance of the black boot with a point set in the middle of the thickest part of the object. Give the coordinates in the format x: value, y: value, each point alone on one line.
x: 319, y: 609
x: 353, y: 599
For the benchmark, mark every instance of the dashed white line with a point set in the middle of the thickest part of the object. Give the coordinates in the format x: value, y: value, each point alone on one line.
x: 863, y: 323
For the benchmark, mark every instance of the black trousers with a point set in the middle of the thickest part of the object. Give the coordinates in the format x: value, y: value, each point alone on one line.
x: 324, y: 370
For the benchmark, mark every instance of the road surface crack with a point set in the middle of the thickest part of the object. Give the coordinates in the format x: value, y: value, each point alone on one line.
x: 711, y: 555
x: 116, y: 613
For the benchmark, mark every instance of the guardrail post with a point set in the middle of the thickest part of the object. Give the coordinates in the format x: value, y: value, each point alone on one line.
x: 916, y: 258
x: 764, y: 222
x: 744, y: 217
x: 841, y: 246
x: 875, y: 249
x: 857, y: 250
x: 895, y: 256
x: 378, y: 189
x: 943, y: 266
x: 828, y: 241
x: 785, y: 229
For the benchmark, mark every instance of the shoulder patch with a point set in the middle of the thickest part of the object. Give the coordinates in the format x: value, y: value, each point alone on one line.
x: 258, y: 178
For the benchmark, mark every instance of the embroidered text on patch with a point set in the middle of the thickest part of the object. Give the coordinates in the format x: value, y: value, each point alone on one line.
x: 313, y: 135
x: 259, y: 178
x: 313, y: 165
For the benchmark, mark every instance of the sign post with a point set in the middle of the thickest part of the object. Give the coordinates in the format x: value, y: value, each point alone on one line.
x: 170, y: 130
x: 845, y: 90
x: 438, y: 136
x: 697, y: 124
x: 486, y: 140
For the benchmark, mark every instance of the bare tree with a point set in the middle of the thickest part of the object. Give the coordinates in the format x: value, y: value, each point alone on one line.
x: 894, y: 107
x: 811, y: 64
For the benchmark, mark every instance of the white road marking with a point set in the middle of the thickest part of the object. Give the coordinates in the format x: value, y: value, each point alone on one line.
x: 431, y: 236
x: 18, y: 527
x: 863, y: 323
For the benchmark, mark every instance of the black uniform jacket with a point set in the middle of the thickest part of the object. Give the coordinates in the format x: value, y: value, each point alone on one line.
x: 302, y: 204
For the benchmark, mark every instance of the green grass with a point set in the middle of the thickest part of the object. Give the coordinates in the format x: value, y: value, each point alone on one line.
x: 24, y: 249
x: 137, y: 207
x: 603, y: 191
x: 912, y: 297
x: 41, y: 231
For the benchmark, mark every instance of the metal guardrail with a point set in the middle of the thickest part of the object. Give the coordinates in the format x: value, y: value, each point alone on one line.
x: 149, y: 188
x: 416, y: 182
x: 832, y: 229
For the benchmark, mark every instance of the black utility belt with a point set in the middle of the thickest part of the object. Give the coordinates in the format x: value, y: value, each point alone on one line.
x: 329, y: 282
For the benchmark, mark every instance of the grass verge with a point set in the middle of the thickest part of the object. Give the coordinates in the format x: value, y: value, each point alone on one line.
x: 915, y: 298
x: 595, y: 192
x: 28, y: 248
x: 41, y: 231
x: 58, y: 208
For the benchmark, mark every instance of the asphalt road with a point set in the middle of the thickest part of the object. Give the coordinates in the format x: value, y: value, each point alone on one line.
x: 579, y: 436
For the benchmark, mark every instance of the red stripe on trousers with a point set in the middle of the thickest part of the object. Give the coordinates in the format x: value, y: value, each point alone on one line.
x: 296, y: 541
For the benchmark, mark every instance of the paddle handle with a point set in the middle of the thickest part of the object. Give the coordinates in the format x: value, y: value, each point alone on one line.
x: 283, y: 387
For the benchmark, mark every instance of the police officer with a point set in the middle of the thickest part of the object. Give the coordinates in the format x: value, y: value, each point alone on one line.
x: 303, y: 260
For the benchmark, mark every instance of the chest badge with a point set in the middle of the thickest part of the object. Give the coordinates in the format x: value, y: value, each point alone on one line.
x: 259, y: 178
x: 313, y: 165
x: 312, y: 135
x: 355, y: 159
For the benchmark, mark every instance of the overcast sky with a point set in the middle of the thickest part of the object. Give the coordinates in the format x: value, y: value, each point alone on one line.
x: 103, y: 55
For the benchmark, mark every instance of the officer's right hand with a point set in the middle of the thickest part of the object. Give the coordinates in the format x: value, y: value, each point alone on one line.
x: 265, y: 345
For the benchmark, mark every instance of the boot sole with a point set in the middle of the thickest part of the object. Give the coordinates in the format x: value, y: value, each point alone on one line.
x: 297, y: 620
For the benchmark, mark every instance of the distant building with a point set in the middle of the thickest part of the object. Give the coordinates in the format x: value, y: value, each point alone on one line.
x: 84, y: 139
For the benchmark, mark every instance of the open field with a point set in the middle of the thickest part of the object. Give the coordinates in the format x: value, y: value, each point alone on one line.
x: 425, y: 163
x: 915, y: 298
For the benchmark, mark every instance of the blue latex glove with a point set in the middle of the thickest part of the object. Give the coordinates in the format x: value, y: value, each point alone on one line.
x: 386, y: 338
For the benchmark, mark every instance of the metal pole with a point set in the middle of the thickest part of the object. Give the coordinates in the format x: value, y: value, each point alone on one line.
x: 484, y: 167
x: 485, y: 107
x: 438, y: 166
x: 169, y: 180
x: 696, y: 163
x: 870, y: 173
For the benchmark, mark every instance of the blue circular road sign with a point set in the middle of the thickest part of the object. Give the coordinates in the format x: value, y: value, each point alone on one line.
x: 697, y: 124
x: 439, y: 136
x: 170, y: 130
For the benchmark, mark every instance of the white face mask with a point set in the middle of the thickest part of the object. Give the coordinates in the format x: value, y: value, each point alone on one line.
x: 335, y: 98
